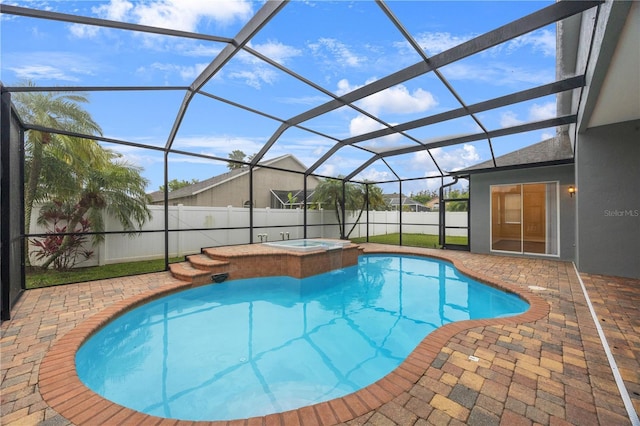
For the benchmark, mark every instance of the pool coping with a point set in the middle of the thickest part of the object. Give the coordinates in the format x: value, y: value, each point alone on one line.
x: 63, y: 391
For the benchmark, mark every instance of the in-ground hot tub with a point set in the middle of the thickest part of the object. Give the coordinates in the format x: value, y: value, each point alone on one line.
x: 306, y: 244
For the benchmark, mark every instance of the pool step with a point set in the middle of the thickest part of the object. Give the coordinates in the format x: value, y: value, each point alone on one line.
x: 186, y: 272
x: 214, y: 254
x: 206, y: 263
x: 199, y: 269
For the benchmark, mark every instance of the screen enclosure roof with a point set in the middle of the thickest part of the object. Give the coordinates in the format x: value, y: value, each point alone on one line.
x: 375, y: 91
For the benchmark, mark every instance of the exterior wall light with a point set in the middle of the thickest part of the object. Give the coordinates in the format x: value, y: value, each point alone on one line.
x: 572, y: 190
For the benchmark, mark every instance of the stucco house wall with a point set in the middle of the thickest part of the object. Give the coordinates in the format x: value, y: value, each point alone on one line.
x: 235, y: 192
x: 480, y: 191
x: 232, y: 188
x: 608, y: 200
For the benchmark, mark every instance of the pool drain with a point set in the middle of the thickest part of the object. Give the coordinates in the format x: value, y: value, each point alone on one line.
x: 218, y: 278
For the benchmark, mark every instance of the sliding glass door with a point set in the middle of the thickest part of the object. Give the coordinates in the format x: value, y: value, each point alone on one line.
x: 524, y: 218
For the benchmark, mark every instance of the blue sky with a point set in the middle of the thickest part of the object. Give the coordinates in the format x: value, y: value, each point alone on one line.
x: 339, y: 45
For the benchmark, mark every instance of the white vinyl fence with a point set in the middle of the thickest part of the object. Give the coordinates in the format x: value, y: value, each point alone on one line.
x: 272, y: 224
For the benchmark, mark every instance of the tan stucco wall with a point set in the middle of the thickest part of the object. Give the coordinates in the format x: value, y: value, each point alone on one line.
x: 235, y: 192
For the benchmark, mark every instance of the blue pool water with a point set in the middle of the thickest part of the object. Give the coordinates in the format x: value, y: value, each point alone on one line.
x: 258, y: 346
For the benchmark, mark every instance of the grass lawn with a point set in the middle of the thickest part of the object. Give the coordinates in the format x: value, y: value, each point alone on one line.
x: 36, y: 278
x: 413, y: 240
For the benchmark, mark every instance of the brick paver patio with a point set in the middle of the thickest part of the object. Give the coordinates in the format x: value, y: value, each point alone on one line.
x: 547, y: 366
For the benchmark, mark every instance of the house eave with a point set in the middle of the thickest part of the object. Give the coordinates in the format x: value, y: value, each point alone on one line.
x: 468, y: 172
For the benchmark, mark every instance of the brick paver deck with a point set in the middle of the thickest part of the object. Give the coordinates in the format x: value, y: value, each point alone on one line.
x: 546, y: 366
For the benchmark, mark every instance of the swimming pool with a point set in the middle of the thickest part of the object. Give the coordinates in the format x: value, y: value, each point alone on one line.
x: 257, y: 346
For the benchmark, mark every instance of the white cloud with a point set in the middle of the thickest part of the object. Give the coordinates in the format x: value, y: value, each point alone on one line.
x: 543, y: 41
x: 218, y: 145
x: 545, y: 135
x: 328, y: 170
x: 252, y: 70
x: 178, y: 14
x: 509, y: 119
x: 422, y: 160
x: 453, y: 159
x: 83, y: 31
x: 256, y: 77
x: 498, y: 74
x: 116, y: 10
x: 343, y: 162
x: 307, y: 148
x: 190, y: 160
x: 540, y: 42
x: 134, y: 155
x: 344, y: 87
x: 277, y: 51
x: 542, y: 112
x: 140, y: 160
x: 183, y: 15
x: 207, y: 51
x: 469, y: 153
x: 363, y: 124
x: 187, y: 73
x: 536, y: 113
x: 336, y: 51
x: 42, y: 72
x: 374, y: 175
x: 437, y: 42
x: 49, y: 65
x: 394, y: 100
x: 398, y: 100
x: 319, y: 151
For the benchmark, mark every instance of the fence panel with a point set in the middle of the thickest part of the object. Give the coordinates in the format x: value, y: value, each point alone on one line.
x: 193, y: 228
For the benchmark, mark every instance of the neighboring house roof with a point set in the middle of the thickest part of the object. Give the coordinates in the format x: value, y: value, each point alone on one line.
x: 206, y: 184
x: 551, y: 150
x: 433, y: 203
x: 394, y: 200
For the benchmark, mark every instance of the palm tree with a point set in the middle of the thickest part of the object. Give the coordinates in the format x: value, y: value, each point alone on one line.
x: 175, y: 184
x: 236, y: 155
x: 371, y: 197
x: 97, y: 184
x: 74, y: 172
x: 329, y: 191
x: 59, y: 110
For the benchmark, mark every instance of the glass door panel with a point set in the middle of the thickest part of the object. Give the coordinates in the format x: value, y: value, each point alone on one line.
x: 506, y: 218
x: 533, y: 217
x: 524, y: 218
